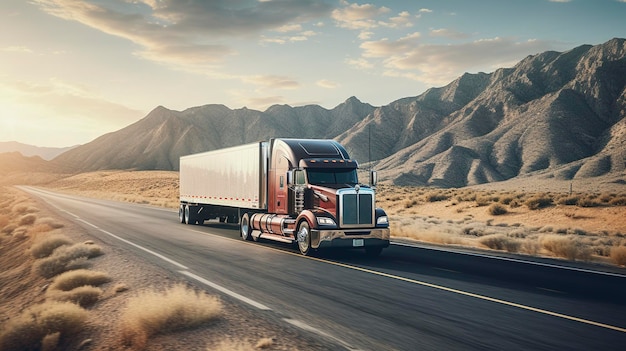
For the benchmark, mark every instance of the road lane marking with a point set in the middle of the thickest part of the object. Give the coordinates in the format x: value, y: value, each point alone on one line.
x: 76, y: 217
x: 311, y: 329
x: 226, y: 291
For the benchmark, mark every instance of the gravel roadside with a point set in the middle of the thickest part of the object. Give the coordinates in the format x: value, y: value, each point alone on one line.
x: 239, y: 327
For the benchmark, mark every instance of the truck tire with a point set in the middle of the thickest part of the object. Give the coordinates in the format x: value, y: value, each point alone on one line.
x: 190, y: 218
x: 181, y: 213
x: 245, y: 230
x: 303, y: 238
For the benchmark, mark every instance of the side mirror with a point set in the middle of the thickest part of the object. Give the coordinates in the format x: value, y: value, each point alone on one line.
x: 373, y: 178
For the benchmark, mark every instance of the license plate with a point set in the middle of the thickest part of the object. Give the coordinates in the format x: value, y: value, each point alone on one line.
x: 357, y: 242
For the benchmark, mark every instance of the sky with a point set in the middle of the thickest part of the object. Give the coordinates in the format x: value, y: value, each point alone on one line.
x: 73, y: 70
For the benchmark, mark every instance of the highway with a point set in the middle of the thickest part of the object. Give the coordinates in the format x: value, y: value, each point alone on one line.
x: 412, y: 297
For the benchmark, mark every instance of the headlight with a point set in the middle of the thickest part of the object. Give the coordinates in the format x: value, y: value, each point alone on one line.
x: 325, y: 221
x: 382, y: 220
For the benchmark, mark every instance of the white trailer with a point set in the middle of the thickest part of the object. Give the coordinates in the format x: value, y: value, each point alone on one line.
x: 220, y: 182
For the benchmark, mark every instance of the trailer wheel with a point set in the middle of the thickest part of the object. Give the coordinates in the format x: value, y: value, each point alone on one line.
x: 181, y: 213
x: 244, y: 228
x: 303, y: 238
x: 189, y: 217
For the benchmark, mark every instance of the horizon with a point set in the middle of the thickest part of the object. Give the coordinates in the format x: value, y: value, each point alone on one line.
x: 75, y: 70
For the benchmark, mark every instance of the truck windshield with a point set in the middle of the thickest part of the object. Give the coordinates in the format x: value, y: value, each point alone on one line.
x: 332, y: 176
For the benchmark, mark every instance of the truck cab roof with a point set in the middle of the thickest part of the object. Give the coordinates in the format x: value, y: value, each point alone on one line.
x: 314, y: 153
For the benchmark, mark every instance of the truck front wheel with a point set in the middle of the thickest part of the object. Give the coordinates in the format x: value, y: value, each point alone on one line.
x: 244, y: 227
x: 303, y: 237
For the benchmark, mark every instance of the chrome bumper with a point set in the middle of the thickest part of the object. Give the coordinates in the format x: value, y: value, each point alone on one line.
x: 322, y: 238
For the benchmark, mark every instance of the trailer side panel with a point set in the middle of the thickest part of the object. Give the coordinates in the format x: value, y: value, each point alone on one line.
x: 233, y: 177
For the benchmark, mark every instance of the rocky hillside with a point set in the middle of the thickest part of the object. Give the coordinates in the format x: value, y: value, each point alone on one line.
x: 158, y: 140
x: 560, y: 114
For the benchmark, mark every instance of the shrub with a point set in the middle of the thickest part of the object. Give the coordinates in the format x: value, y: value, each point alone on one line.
x: 410, y: 203
x: 154, y: 312
x: 28, y: 219
x: 434, y: 197
x: 63, y: 257
x: 8, y: 229
x: 500, y: 242
x: 28, y: 330
x: 563, y: 246
x: 507, y: 200
x: 537, y: 202
x: 569, y: 200
x: 588, y: 202
x: 618, y: 201
x: 46, y: 246
x: 618, y: 255
x: 497, y: 209
x: 83, y: 295
x: 53, y: 223
x: 73, y: 279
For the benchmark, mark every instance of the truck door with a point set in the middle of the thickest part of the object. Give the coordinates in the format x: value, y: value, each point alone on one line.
x: 281, y: 185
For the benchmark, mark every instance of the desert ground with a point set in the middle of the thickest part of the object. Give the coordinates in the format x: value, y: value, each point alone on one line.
x: 36, y: 250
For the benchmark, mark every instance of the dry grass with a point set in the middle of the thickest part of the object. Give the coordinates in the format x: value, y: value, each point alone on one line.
x: 65, y: 258
x: 618, y: 255
x: 28, y: 330
x: 73, y: 279
x: 45, y: 247
x: 154, y: 312
x: 28, y: 219
x: 566, y: 246
x: 538, y: 202
x: 83, y: 296
x: 497, y: 209
x: 501, y: 242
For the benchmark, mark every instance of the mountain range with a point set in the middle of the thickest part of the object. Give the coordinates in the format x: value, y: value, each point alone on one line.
x: 558, y: 114
x: 46, y: 153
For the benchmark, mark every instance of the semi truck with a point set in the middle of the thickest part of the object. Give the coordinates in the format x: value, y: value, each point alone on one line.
x: 304, y: 192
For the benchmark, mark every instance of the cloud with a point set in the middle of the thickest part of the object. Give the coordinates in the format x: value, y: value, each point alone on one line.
x: 328, y: 84
x: 359, y: 63
x: 447, y: 33
x: 439, y: 64
x: 192, y: 32
x: 272, y: 81
x: 403, y: 19
x: 22, y: 49
x: 359, y: 17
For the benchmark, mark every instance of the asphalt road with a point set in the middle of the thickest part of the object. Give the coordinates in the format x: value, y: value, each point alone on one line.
x: 410, y: 298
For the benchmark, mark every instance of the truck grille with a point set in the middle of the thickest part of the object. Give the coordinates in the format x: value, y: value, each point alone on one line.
x: 356, y: 209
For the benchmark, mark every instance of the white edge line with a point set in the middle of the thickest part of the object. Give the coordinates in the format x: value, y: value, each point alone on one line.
x: 226, y: 291
x: 131, y: 243
x: 512, y: 260
x: 311, y: 329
